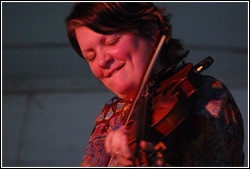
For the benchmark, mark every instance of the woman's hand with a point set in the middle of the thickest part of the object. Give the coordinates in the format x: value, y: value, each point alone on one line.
x: 117, y: 145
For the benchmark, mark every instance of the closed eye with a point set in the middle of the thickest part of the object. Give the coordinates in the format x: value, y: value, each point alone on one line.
x: 112, y: 41
x: 89, y: 55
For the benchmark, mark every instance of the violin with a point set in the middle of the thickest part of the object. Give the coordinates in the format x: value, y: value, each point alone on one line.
x: 163, y: 110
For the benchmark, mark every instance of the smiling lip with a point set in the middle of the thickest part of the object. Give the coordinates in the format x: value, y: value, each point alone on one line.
x: 111, y: 73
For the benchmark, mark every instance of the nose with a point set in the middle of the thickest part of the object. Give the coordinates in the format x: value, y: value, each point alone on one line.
x: 105, y: 61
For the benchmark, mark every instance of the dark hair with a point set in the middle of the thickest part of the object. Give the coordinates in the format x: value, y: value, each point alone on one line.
x: 138, y: 18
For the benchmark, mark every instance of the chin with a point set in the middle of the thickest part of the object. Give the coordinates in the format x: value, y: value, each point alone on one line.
x: 123, y: 90
x: 125, y: 94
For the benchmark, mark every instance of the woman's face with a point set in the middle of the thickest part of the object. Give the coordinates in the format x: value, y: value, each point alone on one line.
x: 118, y: 60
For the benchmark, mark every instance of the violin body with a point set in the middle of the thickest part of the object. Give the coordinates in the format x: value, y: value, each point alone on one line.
x: 163, y: 110
x: 170, y: 99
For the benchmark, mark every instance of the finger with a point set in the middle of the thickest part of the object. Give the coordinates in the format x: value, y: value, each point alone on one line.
x: 116, y: 141
x: 159, y: 162
x: 125, y: 157
x: 147, y: 146
x: 125, y: 162
x: 125, y: 149
x: 107, y: 142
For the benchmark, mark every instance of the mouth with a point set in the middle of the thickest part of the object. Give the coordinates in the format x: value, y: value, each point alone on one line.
x: 112, y: 73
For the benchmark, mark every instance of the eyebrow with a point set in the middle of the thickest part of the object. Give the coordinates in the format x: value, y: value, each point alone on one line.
x: 101, y: 41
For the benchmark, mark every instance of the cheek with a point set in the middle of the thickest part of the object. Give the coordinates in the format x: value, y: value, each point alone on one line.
x: 125, y: 50
x: 122, y: 53
x: 96, y: 71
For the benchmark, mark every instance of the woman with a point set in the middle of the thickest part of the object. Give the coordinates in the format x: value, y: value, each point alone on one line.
x: 116, y: 40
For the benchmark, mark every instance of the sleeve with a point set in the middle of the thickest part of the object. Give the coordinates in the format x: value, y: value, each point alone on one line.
x: 213, y: 133
x: 88, y: 157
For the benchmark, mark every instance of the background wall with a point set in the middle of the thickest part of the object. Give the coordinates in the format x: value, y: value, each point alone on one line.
x: 50, y: 98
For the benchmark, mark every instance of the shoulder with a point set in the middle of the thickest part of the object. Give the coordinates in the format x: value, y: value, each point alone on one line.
x: 215, y: 108
x: 110, y: 104
x: 210, y: 87
x: 212, y: 96
x: 113, y: 109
